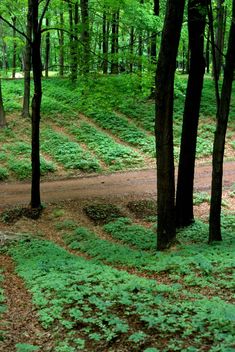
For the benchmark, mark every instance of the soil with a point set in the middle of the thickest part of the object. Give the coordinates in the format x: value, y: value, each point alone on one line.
x: 140, y: 183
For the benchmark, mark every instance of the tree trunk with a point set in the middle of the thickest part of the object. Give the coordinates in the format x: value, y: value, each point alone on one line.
x: 131, y: 48
x: 184, y: 195
x: 47, y: 51
x: 114, y: 43
x: 154, y: 35
x: 27, y: 63
x: 2, y: 112
x: 14, y: 48
x: 61, y: 45
x: 105, y: 43
x: 208, y: 51
x: 165, y: 72
x: 219, y: 38
x: 85, y: 37
x: 73, y: 45
x: 220, y: 133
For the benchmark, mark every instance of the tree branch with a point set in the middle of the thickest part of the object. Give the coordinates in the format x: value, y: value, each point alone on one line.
x: 15, y: 28
x: 43, y: 14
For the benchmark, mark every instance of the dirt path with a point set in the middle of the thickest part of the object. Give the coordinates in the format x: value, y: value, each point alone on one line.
x: 136, y: 183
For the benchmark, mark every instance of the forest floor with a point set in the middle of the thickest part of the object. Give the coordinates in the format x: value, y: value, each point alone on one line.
x: 65, y: 202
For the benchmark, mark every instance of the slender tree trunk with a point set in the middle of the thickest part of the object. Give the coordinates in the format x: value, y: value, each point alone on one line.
x: 184, y: 195
x: 114, y: 44
x: 27, y: 64
x: 2, y: 112
x: 73, y: 45
x: 220, y: 133
x: 208, y: 51
x: 219, y: 38
x: 154, y: 35
x: 36, y: 103
x: 131, y: 48
x: 165, y: 72
x: 47, y: 51
x: 105, y: 43
x: 61, y: 44
x: 14, y: 48
x: 85, y: 37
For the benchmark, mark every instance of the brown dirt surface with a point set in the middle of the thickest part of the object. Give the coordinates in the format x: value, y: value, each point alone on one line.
x: 20, y: 319
x: 140, y: 183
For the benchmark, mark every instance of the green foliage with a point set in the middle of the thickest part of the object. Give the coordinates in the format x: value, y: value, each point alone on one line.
x: 71, y: 291
x: 25, y: 347
x: 115, y: 155
x: 3, y: 173
x: 68, y: 153
x: 201, y: 197
x: 135, y: 235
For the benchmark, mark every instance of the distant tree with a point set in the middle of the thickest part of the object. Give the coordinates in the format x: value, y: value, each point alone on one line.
x: 2, y: 112
x: 184, y: 194
x: 165, y: 72
x: 219, y: 38
x: 114, y: 42
x: 220, y: 133
x: 85, y: 37
x: 14, y: 47
x: 47, y: 49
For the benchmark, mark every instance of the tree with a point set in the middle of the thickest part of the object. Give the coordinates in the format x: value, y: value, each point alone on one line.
x: 2, y: 112
x: 36, y: 101
x: 27, y: 63
x: 184, y: 194
x: 219, y: 139
x: 219, y: 40
x: 85, y: 37
x: 165, y: 72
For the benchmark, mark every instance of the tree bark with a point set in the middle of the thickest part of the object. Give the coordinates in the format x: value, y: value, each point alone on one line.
x: 131, y: 48
x: 220, y: 133
x: 184, y: 194
x: 165, y: 72
x: 47, y: 51
x: 27, y: 63
x: 114, y: 43
x: 219, y: 38
x: 85, y: 37
x: 61, y: 45
x: 105, y: 41
x: 2, y: 111
x: 73, y: 43
x: 14, y: 48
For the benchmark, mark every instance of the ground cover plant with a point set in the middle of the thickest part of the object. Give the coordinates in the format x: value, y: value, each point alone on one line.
x: 70, y: 154
x: 113, y: 307
x: 2, y: 305
x: 113, y: 154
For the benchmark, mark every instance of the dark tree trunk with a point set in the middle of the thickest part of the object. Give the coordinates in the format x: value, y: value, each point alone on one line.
x: 154, y: 35
x: 36, y: 102
x: 85, y: 37
x: 140, y: 52
x: 2, y: 112
x: 114, y: 43
x: 220, y: 133
x: 73, y: 43
x: 131, y: 48
x: 27, y: 63
x: 208, y: 51
x: 184, y: 195
x: 165, y: 72
x: 105, y: 43
x: 61, y: 45
x: 14, y: 48
x: 47, y: 51
x: 219, y: 39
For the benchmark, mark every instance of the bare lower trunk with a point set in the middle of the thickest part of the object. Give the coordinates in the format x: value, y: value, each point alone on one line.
x: 165, y: 72
x: 2, y: 112
x: 219, y: 140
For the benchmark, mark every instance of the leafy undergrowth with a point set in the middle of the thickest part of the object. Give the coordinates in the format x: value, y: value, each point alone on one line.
x: 117, y: 109
x: 90, y: 306
x: 2, y: 305
x: 101, y: 213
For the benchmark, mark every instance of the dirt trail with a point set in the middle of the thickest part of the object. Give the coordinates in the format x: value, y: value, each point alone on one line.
x: 129, y: 183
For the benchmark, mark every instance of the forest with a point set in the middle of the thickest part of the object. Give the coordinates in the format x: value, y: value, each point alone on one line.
x: 117, y: 175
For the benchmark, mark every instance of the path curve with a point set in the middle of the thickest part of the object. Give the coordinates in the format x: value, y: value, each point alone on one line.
x: 120, y: 184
